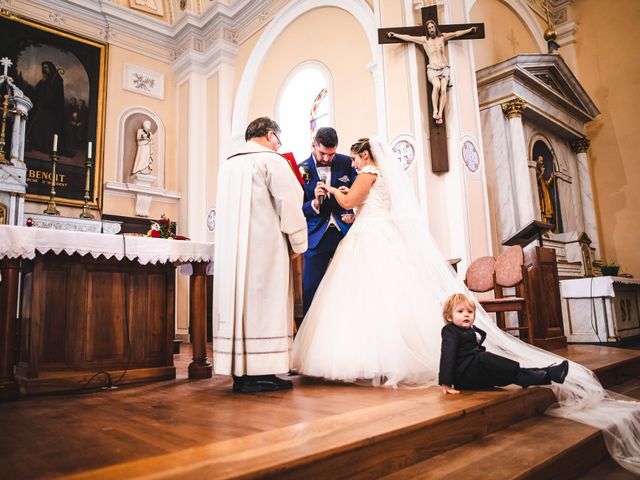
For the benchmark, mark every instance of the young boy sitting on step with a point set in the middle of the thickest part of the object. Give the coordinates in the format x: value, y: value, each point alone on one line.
x: 466, y: 365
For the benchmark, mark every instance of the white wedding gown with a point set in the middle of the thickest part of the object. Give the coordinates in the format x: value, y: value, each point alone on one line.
x: 369, y: 317
x: 376, y: 315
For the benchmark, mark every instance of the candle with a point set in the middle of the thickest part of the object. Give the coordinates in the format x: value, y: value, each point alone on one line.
x: 55, y: 142
x: 89, y: 152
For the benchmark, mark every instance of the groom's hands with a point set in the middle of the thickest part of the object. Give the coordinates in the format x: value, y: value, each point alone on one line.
x: 449, y: 389
x: 319, y: 192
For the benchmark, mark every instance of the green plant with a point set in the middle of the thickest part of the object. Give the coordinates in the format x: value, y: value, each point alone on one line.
x: 610, y: 268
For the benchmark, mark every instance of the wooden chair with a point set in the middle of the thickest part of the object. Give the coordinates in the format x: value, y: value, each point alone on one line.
x: 509, y: 272
x: 479, y: 276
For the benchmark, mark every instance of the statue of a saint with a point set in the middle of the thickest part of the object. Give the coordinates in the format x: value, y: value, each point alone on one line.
x: 438, y: 67
x: 144, y: 156
x: 546, y: 205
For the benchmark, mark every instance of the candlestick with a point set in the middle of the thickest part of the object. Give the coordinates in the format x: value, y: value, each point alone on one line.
x: 87, y: 194
x: 89, y: 151
x: 51, y: 205
x: 55, y: 142
x: 5, y: 109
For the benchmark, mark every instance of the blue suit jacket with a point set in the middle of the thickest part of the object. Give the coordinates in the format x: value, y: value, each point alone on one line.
x: 342, y: 174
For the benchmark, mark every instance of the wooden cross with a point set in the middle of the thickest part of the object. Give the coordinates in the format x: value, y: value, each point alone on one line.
x: 437, y: 132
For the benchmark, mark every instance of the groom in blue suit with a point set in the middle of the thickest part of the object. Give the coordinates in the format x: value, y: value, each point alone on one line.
x: 327, y: 222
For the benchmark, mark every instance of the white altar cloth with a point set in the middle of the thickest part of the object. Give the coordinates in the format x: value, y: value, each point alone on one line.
x: 593, y: 287
x: 600, y: 309
x: 25, y: 242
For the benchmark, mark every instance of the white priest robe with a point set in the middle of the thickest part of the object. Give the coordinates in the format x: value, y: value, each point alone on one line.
x: 258, y: 216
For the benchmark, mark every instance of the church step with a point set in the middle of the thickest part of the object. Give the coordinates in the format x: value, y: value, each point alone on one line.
x: 613, y: 366
x: 365, y: 443
x: 538, y: 448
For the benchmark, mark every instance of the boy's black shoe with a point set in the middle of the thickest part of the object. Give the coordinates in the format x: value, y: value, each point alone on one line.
x: 558, y: 373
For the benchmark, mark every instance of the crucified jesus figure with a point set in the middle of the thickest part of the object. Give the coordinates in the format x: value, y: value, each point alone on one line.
x: 438, y: 66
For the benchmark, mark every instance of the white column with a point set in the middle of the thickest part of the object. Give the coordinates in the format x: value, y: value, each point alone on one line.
x: 226, y: 74
x: 580, y: 147
x: 15, y: 139
x: 197, y: 158
x: 519, y: 164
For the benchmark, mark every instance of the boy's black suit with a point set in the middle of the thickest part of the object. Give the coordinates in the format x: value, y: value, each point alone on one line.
x: 465, y: 363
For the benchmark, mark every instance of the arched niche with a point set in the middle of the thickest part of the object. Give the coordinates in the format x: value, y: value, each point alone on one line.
x: 129, y: 122
x: 545, y: 163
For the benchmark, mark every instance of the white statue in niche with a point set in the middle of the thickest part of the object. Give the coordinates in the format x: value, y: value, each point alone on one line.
x: 144, y: 155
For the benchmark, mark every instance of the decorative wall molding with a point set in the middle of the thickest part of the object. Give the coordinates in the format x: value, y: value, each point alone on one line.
x: 143, y: 81
x: 155, y: 7
x: 129, y: 190
x: 557, y: 10
x: 117, y: 25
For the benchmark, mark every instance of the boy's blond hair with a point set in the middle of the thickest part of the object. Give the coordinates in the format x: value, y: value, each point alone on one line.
x: 452, y: 301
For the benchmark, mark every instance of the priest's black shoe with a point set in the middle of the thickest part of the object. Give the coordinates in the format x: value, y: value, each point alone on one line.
x: 558, y: 373
x: 282, y: 383
x: 246, y: 387
x: 260, y: 383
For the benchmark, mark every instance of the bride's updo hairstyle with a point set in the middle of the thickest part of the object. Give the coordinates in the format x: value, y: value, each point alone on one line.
x: 362, y: 145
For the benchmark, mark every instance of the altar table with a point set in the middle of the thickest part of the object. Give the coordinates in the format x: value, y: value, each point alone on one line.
x: 82, y: 310
x: 601, y: 309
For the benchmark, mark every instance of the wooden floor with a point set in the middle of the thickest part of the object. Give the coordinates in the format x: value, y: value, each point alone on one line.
x: 182, y: 428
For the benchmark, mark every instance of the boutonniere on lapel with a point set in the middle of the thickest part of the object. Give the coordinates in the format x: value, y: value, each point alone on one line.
x: 306, y: 174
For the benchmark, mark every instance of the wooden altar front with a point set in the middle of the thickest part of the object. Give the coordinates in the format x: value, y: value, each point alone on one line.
x: 87, y: 322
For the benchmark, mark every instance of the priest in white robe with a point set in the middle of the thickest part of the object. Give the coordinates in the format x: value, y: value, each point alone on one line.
x: 259, y: 228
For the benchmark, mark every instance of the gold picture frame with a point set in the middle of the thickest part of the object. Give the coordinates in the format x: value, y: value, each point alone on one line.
x: 64, y: 75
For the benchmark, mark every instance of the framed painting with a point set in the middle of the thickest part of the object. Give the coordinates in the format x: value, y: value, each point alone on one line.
x: 64, y: 75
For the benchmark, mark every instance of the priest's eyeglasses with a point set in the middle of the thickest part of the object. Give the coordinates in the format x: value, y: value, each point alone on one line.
x: 277, y: 139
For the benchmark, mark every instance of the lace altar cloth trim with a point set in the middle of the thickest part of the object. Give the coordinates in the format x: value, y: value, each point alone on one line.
x: 25, y: 242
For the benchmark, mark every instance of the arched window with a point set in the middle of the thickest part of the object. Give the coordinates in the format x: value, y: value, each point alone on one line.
x: 304, y: 106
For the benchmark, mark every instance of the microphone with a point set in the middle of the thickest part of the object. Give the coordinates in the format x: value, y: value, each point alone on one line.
x: 323, y: 179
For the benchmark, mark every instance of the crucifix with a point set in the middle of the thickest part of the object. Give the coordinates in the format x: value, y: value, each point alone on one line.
x: 6, y: 63
x: 433, y: 37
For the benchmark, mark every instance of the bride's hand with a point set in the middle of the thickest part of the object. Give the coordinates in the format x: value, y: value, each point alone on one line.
x: 343, y: 189
x: 348, y: 217
x: 448, y: 389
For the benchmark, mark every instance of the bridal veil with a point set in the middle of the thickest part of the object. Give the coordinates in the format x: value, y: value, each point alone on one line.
x: 581, y: 397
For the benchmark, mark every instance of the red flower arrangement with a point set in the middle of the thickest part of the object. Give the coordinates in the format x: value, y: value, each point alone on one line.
x: 163, y: 228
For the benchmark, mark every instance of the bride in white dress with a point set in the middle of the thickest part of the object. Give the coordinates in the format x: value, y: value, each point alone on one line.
x: 369, y: 319
x: 376, y: 315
